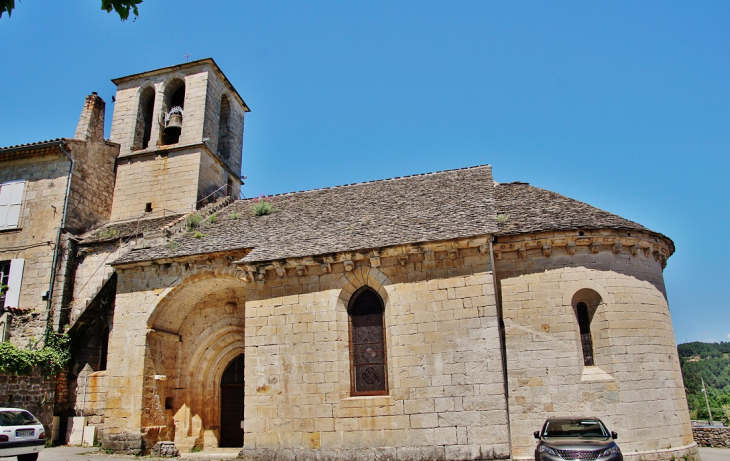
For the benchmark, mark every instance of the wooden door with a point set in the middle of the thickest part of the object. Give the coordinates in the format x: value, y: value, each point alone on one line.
x: 232, y: 394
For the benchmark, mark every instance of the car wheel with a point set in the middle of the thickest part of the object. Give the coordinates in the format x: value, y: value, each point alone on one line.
x: 28, y: 457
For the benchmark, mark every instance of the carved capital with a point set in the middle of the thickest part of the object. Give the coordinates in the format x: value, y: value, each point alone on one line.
x: 547, y: 250
x: 616, y: 247
x: 595, y: 247
x: 349, y: 265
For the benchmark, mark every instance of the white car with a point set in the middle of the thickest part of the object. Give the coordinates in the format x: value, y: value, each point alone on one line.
x: 21, y: 434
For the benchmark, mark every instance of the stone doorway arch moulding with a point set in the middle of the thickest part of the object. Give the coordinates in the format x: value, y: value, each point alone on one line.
x: 353, y: 280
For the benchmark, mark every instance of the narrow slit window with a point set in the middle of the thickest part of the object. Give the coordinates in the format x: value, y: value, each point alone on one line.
x: 368, y: 365
x: 584, y: 323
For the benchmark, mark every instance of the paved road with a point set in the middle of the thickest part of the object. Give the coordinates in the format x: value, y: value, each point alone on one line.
x: 715, y: 454
x: 91, y: 454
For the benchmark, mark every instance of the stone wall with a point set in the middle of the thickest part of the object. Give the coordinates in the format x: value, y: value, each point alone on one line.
x: 45, y: 189
x: 216, y: 89
x: 635, y: 385
x: 446, y: 391
x: 716, y: 437
x: 92, y: 186
x: 32, y: 392
x: 168, y: 180
x: 445, y: 388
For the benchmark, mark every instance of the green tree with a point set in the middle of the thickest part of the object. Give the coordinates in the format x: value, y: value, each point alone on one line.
x: 122, y: 7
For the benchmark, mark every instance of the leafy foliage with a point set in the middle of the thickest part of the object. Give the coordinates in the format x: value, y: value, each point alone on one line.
x: 262, y: 206
x: 122, y: 7
x: 50, y: 358
x: 6, y: 6
x: 711, y: 362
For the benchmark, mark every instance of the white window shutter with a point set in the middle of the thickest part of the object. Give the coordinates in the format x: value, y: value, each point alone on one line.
x: 11, y: 200
x: 14, y: 280
x: 5, y: 193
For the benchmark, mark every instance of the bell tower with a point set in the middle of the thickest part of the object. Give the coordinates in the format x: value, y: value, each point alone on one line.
x: 180, y: 129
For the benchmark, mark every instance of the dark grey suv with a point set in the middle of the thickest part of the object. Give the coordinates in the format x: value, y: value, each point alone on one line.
x: 576, y: 438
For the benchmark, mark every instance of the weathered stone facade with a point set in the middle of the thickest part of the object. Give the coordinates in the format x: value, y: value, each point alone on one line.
x: 174, y: 176
x: 239, y: 330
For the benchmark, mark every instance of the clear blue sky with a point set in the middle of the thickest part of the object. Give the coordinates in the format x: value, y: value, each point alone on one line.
x: 624, y: 105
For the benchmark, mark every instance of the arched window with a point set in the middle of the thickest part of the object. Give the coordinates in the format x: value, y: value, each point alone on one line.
x: 143, y: 127
x: 174, y: 105
x: 584, y: 323
x: 369, y: 375
x: 224, y: 132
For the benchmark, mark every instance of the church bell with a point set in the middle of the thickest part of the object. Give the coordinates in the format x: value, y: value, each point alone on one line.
x: 174, y: 125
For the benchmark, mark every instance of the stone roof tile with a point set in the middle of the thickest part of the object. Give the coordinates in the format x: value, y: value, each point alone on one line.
x: 531, y: 209
x: 421, y: 208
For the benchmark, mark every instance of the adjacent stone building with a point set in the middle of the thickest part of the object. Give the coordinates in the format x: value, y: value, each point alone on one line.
x: 435, y: 316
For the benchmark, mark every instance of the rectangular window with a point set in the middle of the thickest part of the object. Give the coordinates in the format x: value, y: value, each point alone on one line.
x: 12, y: 277
x: 4, y: 276
x: 11, y: 199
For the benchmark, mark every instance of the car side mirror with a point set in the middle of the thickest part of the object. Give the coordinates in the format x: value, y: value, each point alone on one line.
x: 536, y: 434
x: 614, y: 434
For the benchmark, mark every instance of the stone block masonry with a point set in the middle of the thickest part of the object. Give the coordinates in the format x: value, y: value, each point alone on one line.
x: 716, y: 437
x: 33, y: 392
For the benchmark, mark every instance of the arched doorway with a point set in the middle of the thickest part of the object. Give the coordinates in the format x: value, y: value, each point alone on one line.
x: 232, y: 404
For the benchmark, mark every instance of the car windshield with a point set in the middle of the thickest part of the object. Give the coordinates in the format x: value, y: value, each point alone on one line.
x: 16, y: 418
x: 574, y: 428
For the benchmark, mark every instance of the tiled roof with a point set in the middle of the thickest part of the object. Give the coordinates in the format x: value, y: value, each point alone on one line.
x: 421, y: 208
x: 531, y: 209
x: 31, y: 149
x: 32, y: 145
x: 128, y: 229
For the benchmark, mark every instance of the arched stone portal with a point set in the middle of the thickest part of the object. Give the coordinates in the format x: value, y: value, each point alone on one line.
x: 195, y: 333
x: 232, y: 395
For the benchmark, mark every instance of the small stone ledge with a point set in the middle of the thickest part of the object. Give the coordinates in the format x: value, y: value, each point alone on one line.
x: 435, y: 453
x: 126, y: 443
x: 595, y: 375
x: 165, y: 450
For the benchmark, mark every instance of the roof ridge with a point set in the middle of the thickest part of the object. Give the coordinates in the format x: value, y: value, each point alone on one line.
x: 341, y: 186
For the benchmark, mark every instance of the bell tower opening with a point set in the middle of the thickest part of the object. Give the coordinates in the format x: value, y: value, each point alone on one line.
x: 174, y: 111
x: 224, y: 131
x: 143, y: 129
x: 232, y: 395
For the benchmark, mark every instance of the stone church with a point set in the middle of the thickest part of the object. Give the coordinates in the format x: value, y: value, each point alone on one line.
x: 439, y: 316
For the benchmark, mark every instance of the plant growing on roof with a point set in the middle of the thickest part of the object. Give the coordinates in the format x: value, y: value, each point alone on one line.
x: 235, y: 215
x: 211, y: 219
x: 502, y: 218
x: 193, y: 221
x: 198, y: 235
x: 262, y: 206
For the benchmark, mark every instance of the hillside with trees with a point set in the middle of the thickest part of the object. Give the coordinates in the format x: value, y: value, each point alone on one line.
x: 711, y: 362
